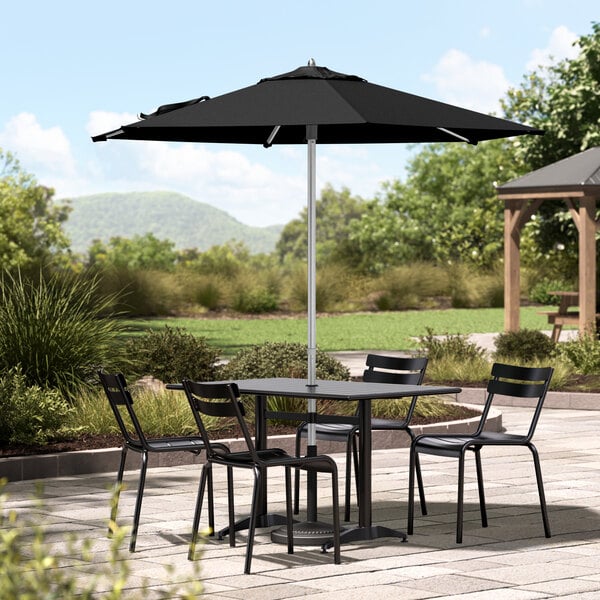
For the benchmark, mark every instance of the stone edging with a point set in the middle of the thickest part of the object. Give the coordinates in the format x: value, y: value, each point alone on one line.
x: 65, y: 464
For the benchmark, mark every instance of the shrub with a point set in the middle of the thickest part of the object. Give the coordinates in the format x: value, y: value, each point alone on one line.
x: 524, y: 345
x: 171, y: 355
x: 283, y: 359
x: 539, y: 292
x: 29, y: 414
x: 56, y: 330
x: 331, y: 288
x: 583, y: 353
x: 473, y: 289
x: 254, y: 301
x: 142, y: 293
x: 31, y: 567
x: 456, y: 347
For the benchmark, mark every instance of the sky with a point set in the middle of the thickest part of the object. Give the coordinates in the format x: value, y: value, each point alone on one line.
x: 73, y: 69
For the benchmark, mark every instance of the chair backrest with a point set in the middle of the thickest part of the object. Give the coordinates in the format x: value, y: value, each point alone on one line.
x: 398, y: 369
x: 217, y: 400
x: 518, y: 382
x: 120, y: 399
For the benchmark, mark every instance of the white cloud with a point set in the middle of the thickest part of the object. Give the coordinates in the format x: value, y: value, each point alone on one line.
x: 560, y: 46
x: 464, y: 81
x: 42, y: 149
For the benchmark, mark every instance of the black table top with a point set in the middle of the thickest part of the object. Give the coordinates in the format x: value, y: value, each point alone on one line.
x: 334, y: 390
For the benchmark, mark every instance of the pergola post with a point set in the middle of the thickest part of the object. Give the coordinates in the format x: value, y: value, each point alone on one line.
x: 587, y: 264
x: 512, y: 265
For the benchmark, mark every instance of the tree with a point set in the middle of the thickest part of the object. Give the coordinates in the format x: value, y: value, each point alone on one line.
x: 335, y: 211
x: 30, y: 224
x: 446, y: 211
x: 140, y: 252
x: 563, y: 100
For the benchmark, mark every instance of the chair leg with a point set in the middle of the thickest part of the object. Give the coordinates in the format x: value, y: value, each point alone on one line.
x: 297, y: 477
x: 411, y: 489
x: 482, y: 508
x: 460, y: 500
x: 350, y: 456
x: 118, y: 487
x: 138, y: 502
x: 288, y: 510
x: 201, y: 486
x: 420, y: 485
x: 252, y: 523
x: 540, y: 484
x: 336, y: 519
x: 231, y: 507
x: 211, y: 503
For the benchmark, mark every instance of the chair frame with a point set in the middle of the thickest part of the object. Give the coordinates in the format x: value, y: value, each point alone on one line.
x: 119, y: 397
x: 397, y: 370
x: 507, y: 380
x: 203, y: 399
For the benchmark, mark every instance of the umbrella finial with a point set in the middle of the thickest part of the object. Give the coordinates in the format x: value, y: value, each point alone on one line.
x: 311, y: 62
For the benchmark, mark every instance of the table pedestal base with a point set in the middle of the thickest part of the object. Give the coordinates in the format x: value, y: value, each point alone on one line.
x: 363, y: 534
x: 261, y: 521
x: 308, y: 533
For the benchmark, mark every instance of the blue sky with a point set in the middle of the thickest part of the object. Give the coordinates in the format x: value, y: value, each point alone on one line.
x: 72, y: 69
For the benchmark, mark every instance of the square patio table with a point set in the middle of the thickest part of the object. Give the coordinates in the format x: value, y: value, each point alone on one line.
x: 362, y: 392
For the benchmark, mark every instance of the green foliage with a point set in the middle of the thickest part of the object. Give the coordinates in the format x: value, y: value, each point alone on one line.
x: 141, y: 293
x: 335, y: 211
x: 172, y: 355
x: 139, y: 252
x: 409, y: 286
x: 332, y: 288
x: 254, y: 301
x: 540, y: 291
x: 282, y: 359
x: 30, y: 224
x: 583, y: 353
x: 29, y: 414
x: 57, y: 330
x: 32, y: 568
x: 524, y: 345
x: 475, y: 288
x: 446, y: 211
x: 458, y: 347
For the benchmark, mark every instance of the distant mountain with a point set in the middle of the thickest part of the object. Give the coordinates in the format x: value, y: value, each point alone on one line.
x: 167, y: 215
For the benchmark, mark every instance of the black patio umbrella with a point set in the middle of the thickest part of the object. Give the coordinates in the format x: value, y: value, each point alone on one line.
x: 313, y: 105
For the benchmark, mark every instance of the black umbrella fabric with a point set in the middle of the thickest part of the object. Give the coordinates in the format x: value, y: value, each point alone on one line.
x: 345, y: 108
x: 313, y: 105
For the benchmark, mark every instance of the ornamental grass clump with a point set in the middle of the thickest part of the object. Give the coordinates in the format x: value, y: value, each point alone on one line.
x: 59, y: 330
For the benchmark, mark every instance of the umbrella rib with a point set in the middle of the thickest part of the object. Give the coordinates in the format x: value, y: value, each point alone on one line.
x: 456, y: 135
x: 271, y: 137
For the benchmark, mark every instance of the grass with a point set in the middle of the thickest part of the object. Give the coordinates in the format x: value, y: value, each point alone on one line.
x: 354, y: 331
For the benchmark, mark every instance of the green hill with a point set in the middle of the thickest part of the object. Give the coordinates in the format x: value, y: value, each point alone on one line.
x: 167, y: 215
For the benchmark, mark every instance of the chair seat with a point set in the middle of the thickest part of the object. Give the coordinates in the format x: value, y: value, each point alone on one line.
x: 193, y: 444
x: 452, y: 445
x: 388, y: 424
x: 329, y: 431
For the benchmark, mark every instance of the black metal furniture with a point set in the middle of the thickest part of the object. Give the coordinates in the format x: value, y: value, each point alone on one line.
x: 334, y: 390
x: 121, y: 402
x: 507, y: 380
x: 222, y: 400
x: 399, y: 370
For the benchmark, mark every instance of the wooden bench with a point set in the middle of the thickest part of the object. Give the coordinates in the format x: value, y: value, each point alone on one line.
x: 562, y: 316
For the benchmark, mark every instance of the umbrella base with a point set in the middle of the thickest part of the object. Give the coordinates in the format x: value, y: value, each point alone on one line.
x: 308, y: 533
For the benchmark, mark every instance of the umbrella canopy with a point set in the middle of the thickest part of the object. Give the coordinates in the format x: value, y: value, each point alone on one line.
x: 345, y: 108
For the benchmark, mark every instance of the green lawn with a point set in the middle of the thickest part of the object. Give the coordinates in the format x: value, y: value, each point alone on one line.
x: 355, y: 331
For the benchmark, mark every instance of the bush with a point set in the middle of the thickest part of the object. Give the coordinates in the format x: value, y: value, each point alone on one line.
x: 29, y: 414
x: 539, y: 291
x: 472, y: 289
x: 283, y: 359
x: 57, y: 330
x: 31, y: 567
x: 525, y: 345
x: 456, y: 347
x: 583, y: 353
x: 254, y: 301
x: 331, y: 288
x: 172, y: 355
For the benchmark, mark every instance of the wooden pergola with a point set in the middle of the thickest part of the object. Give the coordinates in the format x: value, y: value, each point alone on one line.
x: 576, y: 180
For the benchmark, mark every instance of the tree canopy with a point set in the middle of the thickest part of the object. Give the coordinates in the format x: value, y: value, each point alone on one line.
x: 30, y: 224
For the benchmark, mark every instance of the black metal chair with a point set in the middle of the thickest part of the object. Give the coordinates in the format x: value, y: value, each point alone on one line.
x: 507, y: 380
x: 221, y: 400
x: 399, y: 370
x: 121, y: 402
